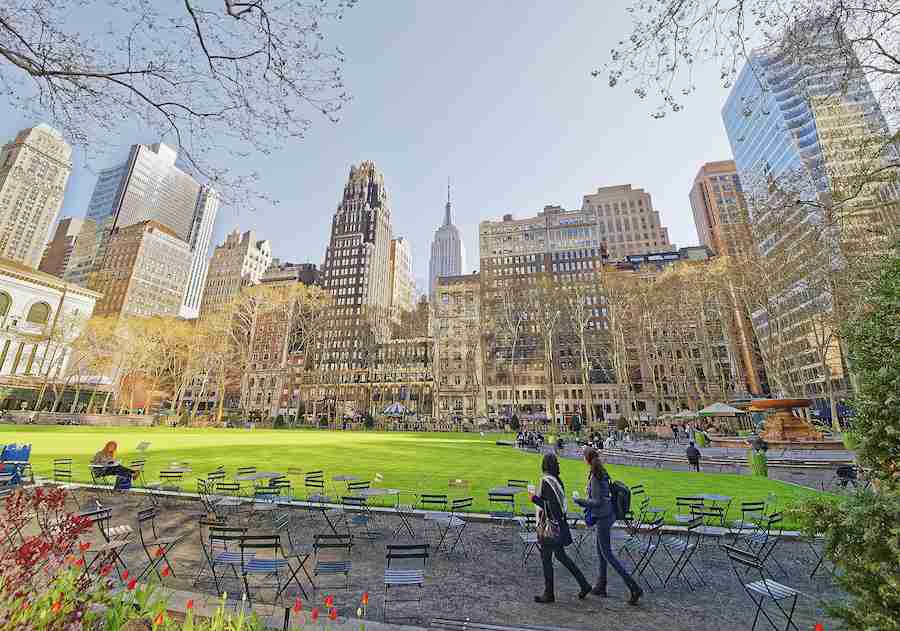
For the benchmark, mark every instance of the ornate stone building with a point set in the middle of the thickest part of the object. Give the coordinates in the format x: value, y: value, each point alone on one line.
x: 34, y: 170
x: 448, y: 255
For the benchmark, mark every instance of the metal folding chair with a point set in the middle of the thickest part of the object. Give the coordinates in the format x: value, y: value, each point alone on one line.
x: 116, y: 538
x: 744, y: 563
x: 294, y: 551
x: 224, y: 551
x: 332, y: 557
x: 254, y: 562
x: 169, y: 482
x: 405, y: 511
x: 641, y: 547
x: 503, y: 516
x: 528, y: 536
x: 685, y: 507
x: 357, y: 517
x: 762, y: 542
x: 161, y: 546
x: 435, y: 507
x: 452, y: 523
x: 752, y: 513
x: 681, y: 549
x: 412, y: 574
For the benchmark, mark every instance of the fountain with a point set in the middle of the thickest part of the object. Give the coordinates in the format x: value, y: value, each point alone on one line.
x: 783, y: 430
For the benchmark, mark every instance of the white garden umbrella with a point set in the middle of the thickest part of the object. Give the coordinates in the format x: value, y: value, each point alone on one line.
x: 719, y: 409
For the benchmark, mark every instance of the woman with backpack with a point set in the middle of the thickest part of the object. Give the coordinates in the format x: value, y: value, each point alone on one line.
x: 602, y: 513
x: 553, y: 529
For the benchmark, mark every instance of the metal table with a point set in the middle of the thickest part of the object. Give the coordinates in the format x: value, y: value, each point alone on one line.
x: 508, y: 490
x: 345, y: 478
x: 259, y: 476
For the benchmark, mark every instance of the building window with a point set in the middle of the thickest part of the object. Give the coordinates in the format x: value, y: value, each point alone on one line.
x: 5, y: 302
x: 39, y: 313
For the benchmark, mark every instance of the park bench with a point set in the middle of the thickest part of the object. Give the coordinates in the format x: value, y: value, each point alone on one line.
x: 452, y: 624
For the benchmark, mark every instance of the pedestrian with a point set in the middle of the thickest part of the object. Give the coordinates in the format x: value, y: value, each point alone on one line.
x: 599, y: 501
x: 693, y: 456
x: 553, y: 529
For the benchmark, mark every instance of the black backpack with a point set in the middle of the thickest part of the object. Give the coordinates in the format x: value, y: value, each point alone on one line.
x: 621, y: 499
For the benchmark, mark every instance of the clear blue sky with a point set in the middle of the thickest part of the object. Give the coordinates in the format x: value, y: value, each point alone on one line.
x: 495, y: 95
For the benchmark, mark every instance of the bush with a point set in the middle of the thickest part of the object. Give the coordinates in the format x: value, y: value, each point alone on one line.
x: 323, y: 422
x: 368, y: 421
x: 851, y: 440
x: 759, y: 463
x: 279, y: 422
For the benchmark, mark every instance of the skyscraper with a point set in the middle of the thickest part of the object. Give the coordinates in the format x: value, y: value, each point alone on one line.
x: 58, y: 253
x: 626, y: 221
x: 150, y: 187
x: 403, y: 287
x: 34, y: 170
x: 356, y: 270
x: 144, y: 273
x: 240, y: 261
x: 720, y: 211
x: 200, y: 237
x: 802, y: 122
x: 448, y: 255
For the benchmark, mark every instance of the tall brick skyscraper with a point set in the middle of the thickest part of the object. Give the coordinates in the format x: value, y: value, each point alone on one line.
x: 356, y: 270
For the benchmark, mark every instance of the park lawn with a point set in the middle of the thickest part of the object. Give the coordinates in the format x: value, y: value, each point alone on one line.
x: 419, y: 462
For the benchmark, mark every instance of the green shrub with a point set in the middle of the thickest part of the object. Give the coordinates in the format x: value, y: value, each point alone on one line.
x: 279, y: 422
x: 851, y: 440
x: 759, y: 463
x: 700, y: 439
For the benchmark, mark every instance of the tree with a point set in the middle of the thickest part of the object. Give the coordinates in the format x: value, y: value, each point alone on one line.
x: 670, y: 40
x: 546, y: 311
x: 510, y: 316
x: 215, y: 78
x: 861, y: 534
x: 579, y: 300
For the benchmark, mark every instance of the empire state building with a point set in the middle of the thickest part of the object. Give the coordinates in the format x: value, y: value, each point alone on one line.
x: 447, y: 251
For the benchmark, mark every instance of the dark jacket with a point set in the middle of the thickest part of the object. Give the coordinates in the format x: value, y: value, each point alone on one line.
x: 693, y: 455
x: 547, y: 501
x: 599, y: 499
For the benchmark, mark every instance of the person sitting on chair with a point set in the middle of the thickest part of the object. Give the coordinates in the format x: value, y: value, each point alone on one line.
x: 693, y: 456
x: 105, y: 464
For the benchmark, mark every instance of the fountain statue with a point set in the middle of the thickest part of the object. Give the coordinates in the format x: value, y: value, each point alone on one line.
x: 781, y: 425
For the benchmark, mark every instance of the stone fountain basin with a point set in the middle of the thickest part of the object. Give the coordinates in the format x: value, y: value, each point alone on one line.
x: 735, y: 442
x: 778, y: 404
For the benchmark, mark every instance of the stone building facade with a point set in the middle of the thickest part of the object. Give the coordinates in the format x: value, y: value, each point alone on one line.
x: 144, y: 272
x: 626, y: 221
x: 34, y: 170
x: 719, y: 208
x: 239, y: 262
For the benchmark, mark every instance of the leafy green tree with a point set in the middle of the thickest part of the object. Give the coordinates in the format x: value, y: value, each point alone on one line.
x: 862, y: 533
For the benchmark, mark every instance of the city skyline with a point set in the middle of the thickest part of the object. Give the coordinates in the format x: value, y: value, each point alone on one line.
x: 450, y: 130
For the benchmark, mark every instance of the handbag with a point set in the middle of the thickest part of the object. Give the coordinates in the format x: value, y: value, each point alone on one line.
x: 588, y: 517
x: 548, y: 528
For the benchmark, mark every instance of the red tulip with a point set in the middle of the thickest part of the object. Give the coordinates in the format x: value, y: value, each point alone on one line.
x: 160, y: 618
x: 329, y: 601
x: 79, y: 562
x: 125, y: 575
x: 159, y: 552
x: 56, y: 607
x: 166, y: 571
x: 84, y: 546
x: 106, y: 570
x: 132, y: 584
x: 365, y: 598
x: 190, y: 604
x: 332, y: 615
x: 315, y: 614
x: 298, y: 606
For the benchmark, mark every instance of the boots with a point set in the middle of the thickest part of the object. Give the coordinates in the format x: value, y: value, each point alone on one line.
x: 549, y: 595
x: 600, y: 588
x: 636, y: 591
x: 585, y: 590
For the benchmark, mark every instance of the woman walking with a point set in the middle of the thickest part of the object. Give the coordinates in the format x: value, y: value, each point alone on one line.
x: 553, y: 530
x: 599, y: 501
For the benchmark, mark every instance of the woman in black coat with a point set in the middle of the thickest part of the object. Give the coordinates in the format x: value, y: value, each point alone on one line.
x: 599, y: 500
x: 553, y: 529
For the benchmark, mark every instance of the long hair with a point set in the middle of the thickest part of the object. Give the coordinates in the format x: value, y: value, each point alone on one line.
x: 593, y: 459
x: 550, y: 465
x: 110, y: 447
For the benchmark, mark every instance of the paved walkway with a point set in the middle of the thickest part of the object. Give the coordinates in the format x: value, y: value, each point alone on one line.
x: 491, y: 583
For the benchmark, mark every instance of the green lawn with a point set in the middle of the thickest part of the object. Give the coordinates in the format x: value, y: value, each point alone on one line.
x: 418, y: 462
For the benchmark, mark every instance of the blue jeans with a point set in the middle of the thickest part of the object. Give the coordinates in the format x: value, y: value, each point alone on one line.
x: 604, y: 551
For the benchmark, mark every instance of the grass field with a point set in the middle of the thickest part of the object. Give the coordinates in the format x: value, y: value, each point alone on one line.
x: 417, y: 462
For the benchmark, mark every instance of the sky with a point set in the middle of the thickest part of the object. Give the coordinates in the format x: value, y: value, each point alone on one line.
x: 496, y: 96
